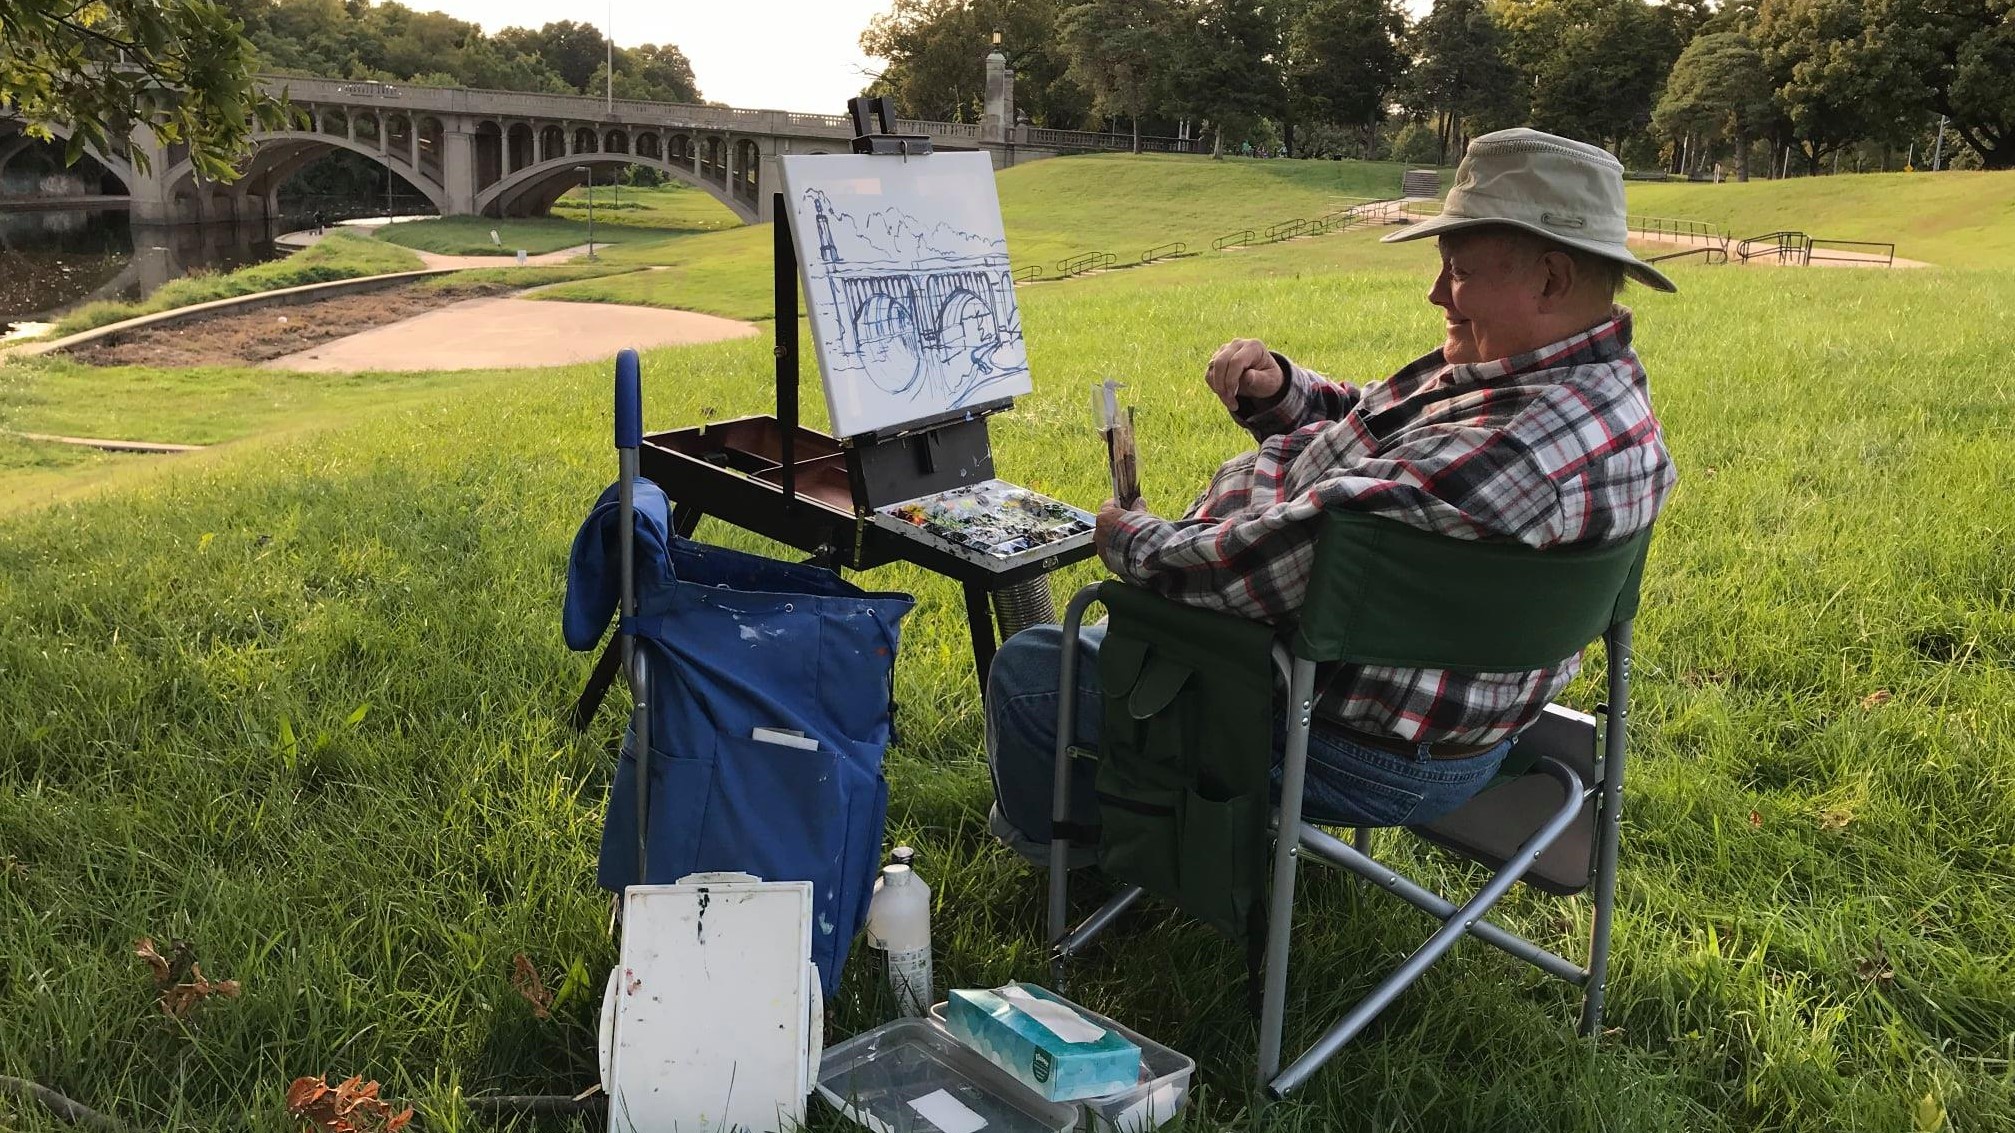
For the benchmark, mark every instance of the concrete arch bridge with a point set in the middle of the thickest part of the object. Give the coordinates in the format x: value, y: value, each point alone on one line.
x: 511, y: 153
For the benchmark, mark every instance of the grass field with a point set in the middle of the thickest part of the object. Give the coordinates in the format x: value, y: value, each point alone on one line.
x: 470, y: 235
x: 1053, y: 209
x: 298, y: 702
x: 341, y: 255
x: 671, y: 206
x: 1944, y: 218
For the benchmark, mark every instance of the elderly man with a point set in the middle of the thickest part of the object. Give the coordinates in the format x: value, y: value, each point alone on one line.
x: 1532, y: 422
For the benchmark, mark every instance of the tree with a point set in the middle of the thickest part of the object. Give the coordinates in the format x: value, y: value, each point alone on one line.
x: 1118, y: 51
x: 1461, y: 77
x: 1344, y: 61
x: 1718, y: 90
x: 1594, y: 66
x: 574, y: 50
x: 1221, y: 66
x: 1964, y: 53
x: 936, y: 52
x: 182, y: 68
x: 1838, y: 80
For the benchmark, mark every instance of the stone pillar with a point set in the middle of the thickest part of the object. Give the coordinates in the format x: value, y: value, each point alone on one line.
x: 458, y: 165
x: 151, y: 199
x: 999, y: 114
x: 768, y: 178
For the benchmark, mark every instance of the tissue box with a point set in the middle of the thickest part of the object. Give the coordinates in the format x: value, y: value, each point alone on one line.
x: 1046, y: 1045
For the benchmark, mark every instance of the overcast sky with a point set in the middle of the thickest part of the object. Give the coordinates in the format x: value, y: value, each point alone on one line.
x: 758, y: 54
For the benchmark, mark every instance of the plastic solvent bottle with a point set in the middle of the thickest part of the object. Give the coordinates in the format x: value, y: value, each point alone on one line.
x: 899, y: 924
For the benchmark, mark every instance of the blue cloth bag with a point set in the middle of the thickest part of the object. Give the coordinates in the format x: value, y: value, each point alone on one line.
x: 737, y: 642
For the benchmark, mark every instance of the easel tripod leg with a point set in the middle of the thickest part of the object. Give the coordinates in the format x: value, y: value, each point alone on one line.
x: 980, y: 617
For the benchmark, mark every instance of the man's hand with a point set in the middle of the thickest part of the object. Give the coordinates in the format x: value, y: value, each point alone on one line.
x: 1243, y: 367
x: 1109, y: 516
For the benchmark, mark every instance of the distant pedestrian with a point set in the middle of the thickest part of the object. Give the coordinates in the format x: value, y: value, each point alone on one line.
x: 318, y: 222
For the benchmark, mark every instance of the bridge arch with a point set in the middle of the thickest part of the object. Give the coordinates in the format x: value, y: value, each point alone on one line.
x: 119, y: 167
x: 276, y: 156
x: 530, y: 191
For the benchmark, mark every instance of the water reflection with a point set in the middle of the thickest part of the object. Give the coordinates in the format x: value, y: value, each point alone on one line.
x: 55, y: 260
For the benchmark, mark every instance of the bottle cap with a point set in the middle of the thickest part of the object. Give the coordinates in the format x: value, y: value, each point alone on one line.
x: 902, y: 855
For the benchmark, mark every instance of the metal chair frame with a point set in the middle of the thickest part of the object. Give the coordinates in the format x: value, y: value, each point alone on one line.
x: 1293, y: 837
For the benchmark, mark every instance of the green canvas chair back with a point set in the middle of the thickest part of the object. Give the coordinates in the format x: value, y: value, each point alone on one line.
x: 1385, y: 593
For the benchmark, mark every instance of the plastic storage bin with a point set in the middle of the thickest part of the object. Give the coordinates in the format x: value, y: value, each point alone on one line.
x: 912, y: 1076
x: 1164, y: 1082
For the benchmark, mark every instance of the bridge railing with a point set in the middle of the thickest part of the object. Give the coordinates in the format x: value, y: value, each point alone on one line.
x: 1091, y: 140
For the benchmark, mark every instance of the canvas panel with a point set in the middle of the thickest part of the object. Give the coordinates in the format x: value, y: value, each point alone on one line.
x: 905, y: 270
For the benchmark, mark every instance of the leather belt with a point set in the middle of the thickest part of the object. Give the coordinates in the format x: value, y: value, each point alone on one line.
x: 1397, y: 746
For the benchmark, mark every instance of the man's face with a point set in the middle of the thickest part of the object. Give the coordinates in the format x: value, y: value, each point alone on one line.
x: 1490, y: 288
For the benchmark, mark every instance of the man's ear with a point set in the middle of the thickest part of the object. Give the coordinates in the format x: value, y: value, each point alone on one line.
x: 1558, y: 279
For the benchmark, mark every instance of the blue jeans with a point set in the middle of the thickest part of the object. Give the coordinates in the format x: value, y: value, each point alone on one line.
x: 1348, y: 783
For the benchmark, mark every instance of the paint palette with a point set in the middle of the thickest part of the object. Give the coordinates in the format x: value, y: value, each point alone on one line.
x: 992, y: 522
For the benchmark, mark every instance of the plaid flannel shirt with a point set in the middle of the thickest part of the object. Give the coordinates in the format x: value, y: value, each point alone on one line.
x: 1555, y: 447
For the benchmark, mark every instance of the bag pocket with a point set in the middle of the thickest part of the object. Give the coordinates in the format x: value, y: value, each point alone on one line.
x: 1139, y: 827
x: 1218, y: 853
x: 778, y: 812
x: 680, y: 788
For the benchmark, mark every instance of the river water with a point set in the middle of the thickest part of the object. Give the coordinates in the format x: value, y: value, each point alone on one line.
x: 51, y: 261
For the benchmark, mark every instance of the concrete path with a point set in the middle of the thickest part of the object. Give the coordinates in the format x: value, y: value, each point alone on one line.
x: 111, y: 445
x: 308, y: 237
x: 481, y: 334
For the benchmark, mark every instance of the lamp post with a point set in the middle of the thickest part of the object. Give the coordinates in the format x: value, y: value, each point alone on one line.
x: 582, y: 169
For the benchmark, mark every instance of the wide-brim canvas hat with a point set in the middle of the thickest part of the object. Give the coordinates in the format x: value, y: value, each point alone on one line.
x: 1567, y: 191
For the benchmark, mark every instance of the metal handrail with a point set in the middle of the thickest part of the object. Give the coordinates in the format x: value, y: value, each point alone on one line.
x: 1232, y: 239
x: 1787, y: 244
x: 1164, y: 251
x: 1812, y: 243
x: 1028, y: 274
x: 1714, y: 254
x: 1677, y: 227
x: 1084, y: 262
x: 1287, y: 230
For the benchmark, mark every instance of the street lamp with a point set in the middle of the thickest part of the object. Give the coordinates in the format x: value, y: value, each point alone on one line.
x: 591, y: 207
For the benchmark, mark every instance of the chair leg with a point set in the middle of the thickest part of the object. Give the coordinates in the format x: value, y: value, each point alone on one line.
x: 1608, y: 819
x: 1066, y: 727
x: 1361, y: 839
x: 1452, y: 930
x: 1286, y: 851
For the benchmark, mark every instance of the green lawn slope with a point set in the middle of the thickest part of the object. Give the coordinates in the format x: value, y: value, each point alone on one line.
x: 1053, y: 209
x: 1963, y: 219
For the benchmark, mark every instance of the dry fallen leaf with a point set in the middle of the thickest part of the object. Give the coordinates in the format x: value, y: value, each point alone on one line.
x: 352, y: 1107
x: 525, y: 978
x: 1835, y: 818
x: 1876, y: 699
x: 179, y: 978
x: 1755, y: 821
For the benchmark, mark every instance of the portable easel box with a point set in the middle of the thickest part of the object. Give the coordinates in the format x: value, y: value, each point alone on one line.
x: 919, y: 340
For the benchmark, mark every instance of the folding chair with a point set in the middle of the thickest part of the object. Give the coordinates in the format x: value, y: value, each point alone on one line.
x: 1384, y: 593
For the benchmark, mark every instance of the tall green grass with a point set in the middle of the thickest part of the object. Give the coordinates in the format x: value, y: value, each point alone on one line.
x: 339, y: 255
x: 300, y: 704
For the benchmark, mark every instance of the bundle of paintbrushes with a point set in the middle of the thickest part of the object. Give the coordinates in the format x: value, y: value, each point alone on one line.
x: 1121, y: 456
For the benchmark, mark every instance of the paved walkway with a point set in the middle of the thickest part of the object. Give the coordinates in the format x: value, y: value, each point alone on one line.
x: 482, y: 334
x: 308, y: 237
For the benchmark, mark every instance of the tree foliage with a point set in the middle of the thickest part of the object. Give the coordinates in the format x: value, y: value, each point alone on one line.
x: 1461, y: 76
x: 1963, y: 51
x: 1344, y: 61
x: 1119, y: 50
x: 1718, y: 90
x: 95, y: 70
x: 1220, y: 63
x: 936, y: 53
x: 1594, y: 66
x: 1837, y: 81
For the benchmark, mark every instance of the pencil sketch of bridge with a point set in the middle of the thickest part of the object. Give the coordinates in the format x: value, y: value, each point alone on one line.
x: 920, y: 309
x: 511, y: 153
